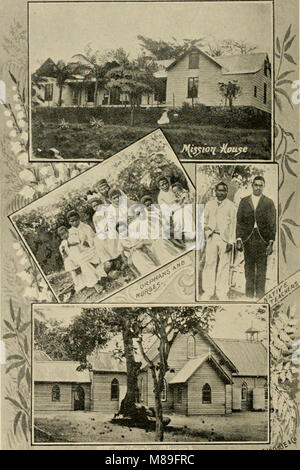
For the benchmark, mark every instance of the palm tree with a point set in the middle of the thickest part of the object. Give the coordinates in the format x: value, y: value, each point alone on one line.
x: 60, y: 71
x: 95, y: 66
x: 132, y: 78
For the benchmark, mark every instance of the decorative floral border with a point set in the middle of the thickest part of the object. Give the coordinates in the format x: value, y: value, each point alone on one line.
x: 28, y: 182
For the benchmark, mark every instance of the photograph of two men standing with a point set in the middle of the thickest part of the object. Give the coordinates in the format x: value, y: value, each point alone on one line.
x: 237, y: 257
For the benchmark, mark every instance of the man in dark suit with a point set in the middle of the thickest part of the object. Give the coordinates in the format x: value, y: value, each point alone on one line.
x: 255, y: 233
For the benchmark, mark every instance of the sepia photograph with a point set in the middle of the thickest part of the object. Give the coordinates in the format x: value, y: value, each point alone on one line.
x: 118, y: 374
x: 119, y: 70
x: 236, y: 231
x: 115, y: 223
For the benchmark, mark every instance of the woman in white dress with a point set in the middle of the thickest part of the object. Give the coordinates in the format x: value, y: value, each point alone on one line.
x: 106, y: 247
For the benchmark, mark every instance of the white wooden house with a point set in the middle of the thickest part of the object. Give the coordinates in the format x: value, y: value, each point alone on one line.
x: 192, y: 78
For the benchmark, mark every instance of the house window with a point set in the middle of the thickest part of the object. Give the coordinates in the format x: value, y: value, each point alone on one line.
x: 244, y: 391
x: 265, y: 93
x: 194, y: 60
x: 255, y: 91
x: 55, y: 393
x: 191, y: 347
x: 90, y: 93
x: 206, y: 394
x: 49, y: 92
x: 114, y: 390
x: 163, y: 395
x: 193, y: 87
x: 179, y: 394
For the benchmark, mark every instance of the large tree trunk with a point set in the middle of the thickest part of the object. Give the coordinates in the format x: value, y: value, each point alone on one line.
x: 159, y: 427
x: 60, y: 95
x: 127, y: 406
x: 96, y: 93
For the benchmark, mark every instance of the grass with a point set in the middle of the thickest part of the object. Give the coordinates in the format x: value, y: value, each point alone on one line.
x: 96, y: 427
x: 81, y: 141
x: 62, y: 284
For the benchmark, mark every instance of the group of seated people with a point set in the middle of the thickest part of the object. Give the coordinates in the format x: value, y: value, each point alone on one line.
x: 93, y: 257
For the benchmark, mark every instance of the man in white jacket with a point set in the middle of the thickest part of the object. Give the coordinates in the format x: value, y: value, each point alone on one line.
x: 219, y: 227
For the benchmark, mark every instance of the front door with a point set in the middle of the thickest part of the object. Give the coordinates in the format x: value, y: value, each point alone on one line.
x: 79, y: 398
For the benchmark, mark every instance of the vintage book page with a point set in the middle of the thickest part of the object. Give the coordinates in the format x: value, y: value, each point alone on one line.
x: 149, y: 227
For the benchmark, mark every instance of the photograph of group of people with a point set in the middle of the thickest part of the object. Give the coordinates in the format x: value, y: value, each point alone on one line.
x: 237, y: 257
x: 91, y: 236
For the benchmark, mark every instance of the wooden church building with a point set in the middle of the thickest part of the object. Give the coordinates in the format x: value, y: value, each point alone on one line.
x: 207, y: 376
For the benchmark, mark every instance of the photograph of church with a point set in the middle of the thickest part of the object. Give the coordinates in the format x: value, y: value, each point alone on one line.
x: 207, y: 375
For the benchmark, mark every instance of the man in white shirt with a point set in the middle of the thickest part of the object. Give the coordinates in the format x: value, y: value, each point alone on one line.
x: 219, y: 227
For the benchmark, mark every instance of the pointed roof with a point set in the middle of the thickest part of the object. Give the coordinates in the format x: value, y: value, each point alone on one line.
x: 242, y: 63
x: 250, y: 357
x: 46, y: 69
x: 193, y: 365
x: 193, y: 49
x: 231, y: 65
x: 152, y: 351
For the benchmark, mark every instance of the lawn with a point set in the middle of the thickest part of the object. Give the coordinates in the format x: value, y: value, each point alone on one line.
x: 80, y: 140
x: 79, y: 426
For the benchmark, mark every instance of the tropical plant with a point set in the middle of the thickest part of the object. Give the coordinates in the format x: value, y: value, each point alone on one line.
x: 95, y: 66
x: 230, y: 91
x: 132, y: 79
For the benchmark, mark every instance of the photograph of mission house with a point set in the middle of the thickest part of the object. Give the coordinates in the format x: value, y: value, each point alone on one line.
x: 222, y: 380
x: 93, y: 94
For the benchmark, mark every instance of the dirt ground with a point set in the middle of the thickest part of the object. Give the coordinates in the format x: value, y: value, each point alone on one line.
x: 93, y: 427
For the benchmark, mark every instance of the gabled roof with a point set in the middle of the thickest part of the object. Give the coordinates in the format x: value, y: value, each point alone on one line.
x: 242, y: 63
x: 41, y: 356
x: 152, y: 352
x: 60, y: 371
x: 46, y: 67
x: 250, y: 357
x: 193, y: 49
x: 106, y: 362
x: 193, y: 365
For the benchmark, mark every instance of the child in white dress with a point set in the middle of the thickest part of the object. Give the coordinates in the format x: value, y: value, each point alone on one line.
x: 82, y: 238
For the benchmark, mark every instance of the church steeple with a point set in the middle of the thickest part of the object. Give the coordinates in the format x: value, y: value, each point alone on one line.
x: 252, y: 333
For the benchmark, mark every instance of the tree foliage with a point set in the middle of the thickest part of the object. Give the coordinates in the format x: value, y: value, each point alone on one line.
x: 162, y: 50
x: 132, y: 78
x: 230, y: 91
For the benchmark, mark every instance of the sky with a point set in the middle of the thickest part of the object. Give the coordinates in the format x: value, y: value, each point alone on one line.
x: 59, y: 30
x: 231, y: 322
